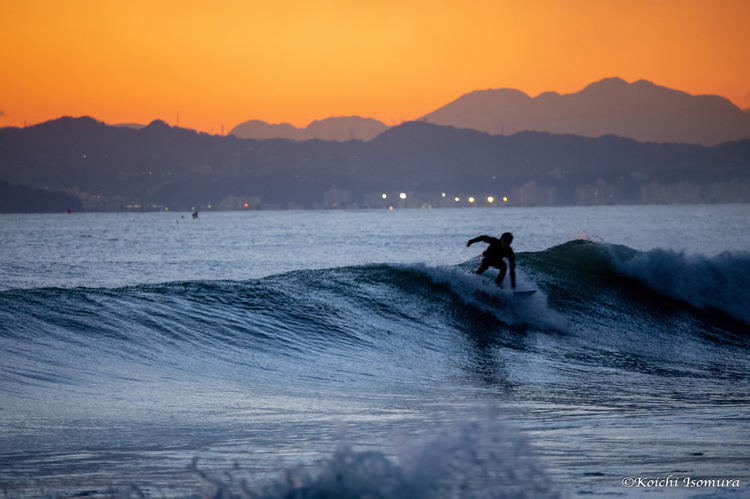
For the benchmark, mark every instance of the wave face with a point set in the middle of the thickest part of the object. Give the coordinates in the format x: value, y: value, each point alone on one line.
x: 719, y: 283
x: 655, y: 329
x: 709, y: 283
x: 309, y: 312
x: 343, y: 325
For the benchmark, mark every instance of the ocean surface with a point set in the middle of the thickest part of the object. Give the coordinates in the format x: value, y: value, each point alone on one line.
x: 355, y: 354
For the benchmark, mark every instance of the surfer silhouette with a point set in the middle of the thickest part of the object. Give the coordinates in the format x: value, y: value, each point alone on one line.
x: 494, y: 254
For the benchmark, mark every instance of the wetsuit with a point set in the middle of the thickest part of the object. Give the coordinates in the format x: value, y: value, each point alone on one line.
x: 493, y: 257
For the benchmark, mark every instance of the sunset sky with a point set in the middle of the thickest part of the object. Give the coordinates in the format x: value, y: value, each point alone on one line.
x: 219, y: 63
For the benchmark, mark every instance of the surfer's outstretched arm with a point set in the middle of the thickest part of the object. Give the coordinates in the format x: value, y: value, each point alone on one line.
x: 484, y: 239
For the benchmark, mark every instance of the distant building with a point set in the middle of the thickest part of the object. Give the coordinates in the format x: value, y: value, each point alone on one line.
x: 93, y: 202
x: 532, y: 194
x: 599, y: 194
x: 677, y: 193
x: 735, y: 191
x: 336, y: 198
x: 397, y: 199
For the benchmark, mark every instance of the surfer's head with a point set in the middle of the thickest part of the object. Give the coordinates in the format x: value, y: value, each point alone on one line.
x: 506, y: 238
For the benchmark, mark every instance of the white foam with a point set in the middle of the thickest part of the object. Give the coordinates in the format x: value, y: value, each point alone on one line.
x: 720, y: 282
x: 470, y: 459
x: 482, y: 293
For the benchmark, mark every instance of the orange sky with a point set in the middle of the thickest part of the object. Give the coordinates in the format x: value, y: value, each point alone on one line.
x: 220, y: 63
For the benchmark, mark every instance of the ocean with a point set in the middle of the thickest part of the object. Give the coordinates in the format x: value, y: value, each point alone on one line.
x: 356, y: 354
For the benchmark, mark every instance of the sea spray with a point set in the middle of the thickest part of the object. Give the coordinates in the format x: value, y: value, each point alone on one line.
x: 721, y: 282
x: 482, y: 292
x: 471, y: 459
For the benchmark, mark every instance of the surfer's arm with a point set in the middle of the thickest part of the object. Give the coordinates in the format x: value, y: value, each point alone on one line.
x: 484, y: 239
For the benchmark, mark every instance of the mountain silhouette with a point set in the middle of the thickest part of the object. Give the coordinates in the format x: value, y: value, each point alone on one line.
x: 257, y: 129
x: 136, y: 126
x: 640, y: 111
x: 341, y: 129
x: 15, y: 199
x: 48, y: 167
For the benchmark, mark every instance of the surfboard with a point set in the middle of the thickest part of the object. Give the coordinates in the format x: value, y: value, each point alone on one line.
x: 504, y: 297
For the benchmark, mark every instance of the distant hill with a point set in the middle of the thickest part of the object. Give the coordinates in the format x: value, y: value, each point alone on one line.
x: 134, y: 126
x: 23, y: 199
x: 641, y: 111
x: 340, y: 129
x: 428, y: 157
x: 111, y: 168
x: 256, y: 129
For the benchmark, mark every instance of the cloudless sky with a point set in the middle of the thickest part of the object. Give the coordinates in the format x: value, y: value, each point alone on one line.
x: 218, y: 63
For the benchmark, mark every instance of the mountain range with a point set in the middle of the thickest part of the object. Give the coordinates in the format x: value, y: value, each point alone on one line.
x: 334, y: 128
x: 158, y: 166
x: 631, y: 143
x: 640, y: 111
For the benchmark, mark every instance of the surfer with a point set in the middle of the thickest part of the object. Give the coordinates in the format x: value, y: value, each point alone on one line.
x: 494, y: 254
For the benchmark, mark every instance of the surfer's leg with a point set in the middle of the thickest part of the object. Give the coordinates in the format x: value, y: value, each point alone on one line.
x: 503, y: 269
x: 483, y: 265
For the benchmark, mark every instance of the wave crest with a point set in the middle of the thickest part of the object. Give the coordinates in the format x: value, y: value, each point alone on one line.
x: 719, y: 283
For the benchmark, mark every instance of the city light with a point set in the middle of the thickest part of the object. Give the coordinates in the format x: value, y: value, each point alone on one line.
x: 385, y: 196
x: 490, y: 199
x: 505, y: 199
x: 471, y: 199
x: 402, y: 195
